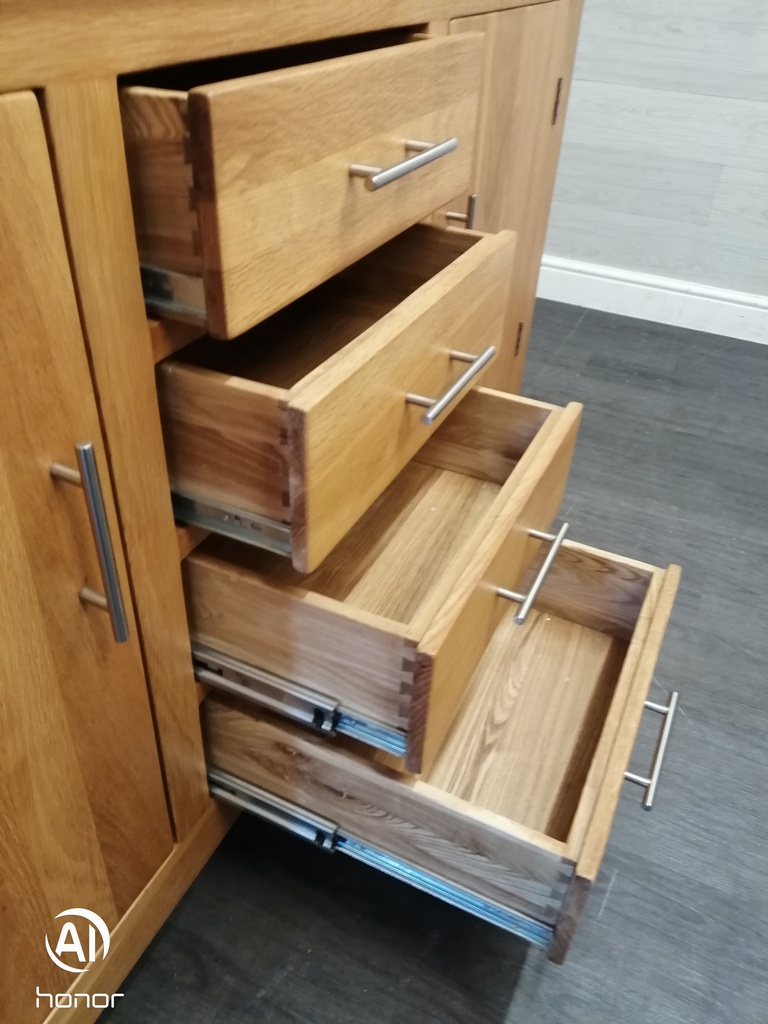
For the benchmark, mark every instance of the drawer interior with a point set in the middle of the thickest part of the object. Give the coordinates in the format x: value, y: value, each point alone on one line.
x: 525, y: 738
x: 528, y: 777
x: 393, y: 559
x: 403, y: 549
x: 527, y: 732
x: 190, y: 75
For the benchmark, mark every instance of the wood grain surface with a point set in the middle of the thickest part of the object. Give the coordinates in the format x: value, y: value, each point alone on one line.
x: 359, y: 658
x: 528, y: 59
x: 168, y: 336
x: 421, y: 565
x: 303, y: 419
x: 407, y: 818
x: 270, y: 155
x: 46, y: 41
x: 599, y: 593
x: 589, y: 836
x: 360, y: 394
x: 524, y: 738
x: 157, y: 151
x: 463, y: 613
x: 83, y: 815
x: 481, y: 439
x: 224, y: 438
x: 83, y: 122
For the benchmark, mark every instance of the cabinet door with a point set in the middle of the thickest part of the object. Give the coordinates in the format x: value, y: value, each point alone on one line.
x: 83, y: 817
x: 528, y: 56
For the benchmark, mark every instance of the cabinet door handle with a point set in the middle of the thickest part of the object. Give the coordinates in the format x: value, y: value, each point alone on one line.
x: 426, y: 152
x: 651, y: 782
x: 436, y: 406
x: 526, y: 600
x: 468, y: 218
x: 86, y: 476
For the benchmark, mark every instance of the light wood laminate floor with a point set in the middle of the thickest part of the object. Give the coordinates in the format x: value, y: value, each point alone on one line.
x: 671, y: 465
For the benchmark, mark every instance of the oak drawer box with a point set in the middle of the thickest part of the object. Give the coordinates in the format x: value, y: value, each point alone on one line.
x: 512, y: 820
x: 391, y: 626
x: 300, y: 424
x: 242, y: 190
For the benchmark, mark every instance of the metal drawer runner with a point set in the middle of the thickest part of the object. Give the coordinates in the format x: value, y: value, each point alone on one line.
x: 325, y: 834
x: 218, y: 670
x: 259, y: 531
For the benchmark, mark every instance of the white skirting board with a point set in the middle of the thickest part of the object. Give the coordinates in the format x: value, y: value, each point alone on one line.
x: 661, y: 299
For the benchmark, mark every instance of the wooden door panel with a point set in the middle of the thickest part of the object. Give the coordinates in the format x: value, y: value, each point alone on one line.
x: 83, y: 816
x: 528, y: 55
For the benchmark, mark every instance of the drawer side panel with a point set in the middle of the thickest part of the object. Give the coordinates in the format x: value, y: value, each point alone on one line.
x: 160, y: 176
x: 224, y: 439
x: 352, y: 657
x: 405, y: 818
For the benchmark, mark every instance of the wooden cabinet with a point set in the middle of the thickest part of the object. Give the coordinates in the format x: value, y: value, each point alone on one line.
x: 83, y: 816
x: 528, y: 58
x: 318, y: 420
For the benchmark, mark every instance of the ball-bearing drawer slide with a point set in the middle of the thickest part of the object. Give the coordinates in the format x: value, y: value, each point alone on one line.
x: 326, y: 834
x: 299, y: 703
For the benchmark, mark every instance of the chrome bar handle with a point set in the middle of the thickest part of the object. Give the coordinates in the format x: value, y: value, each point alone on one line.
x: 436, y: 406
x: 526, y: 600
x: 651, y: 783
x: 468, y: 218
x: 426, y: 152
x: 88, y: 479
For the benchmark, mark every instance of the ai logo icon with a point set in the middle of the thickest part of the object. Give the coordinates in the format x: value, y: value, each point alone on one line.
x: 71, y: 940
x: 78, y: 941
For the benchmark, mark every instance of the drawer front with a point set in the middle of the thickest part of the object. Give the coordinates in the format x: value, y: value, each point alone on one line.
x: 351, y: 428
x: 462, y: 627
x: 278, y: 209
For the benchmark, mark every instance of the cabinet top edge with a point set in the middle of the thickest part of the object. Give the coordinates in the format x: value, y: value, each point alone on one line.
x: 45, y: 43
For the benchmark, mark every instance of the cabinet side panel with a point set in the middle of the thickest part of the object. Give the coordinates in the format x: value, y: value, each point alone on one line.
x: 528, y: 63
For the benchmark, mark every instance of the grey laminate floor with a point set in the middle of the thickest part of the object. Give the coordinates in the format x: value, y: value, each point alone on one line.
x: 671, y: 465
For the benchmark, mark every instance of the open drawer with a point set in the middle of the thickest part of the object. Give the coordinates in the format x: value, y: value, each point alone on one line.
x: 249, y: 192
x: 512, y: 820
x: 381, y: 640
x: 287, y: 435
